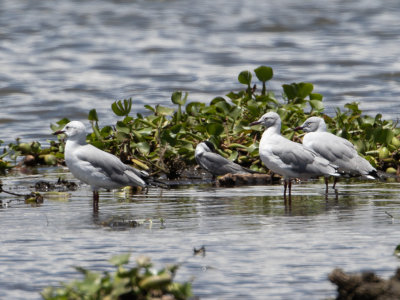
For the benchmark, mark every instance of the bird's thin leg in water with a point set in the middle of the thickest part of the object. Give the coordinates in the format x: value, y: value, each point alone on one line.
x: 284, y: 188
x: 95, y: 201
x: 334, y: 182
x: 288, y: 200
x: 326, y: 184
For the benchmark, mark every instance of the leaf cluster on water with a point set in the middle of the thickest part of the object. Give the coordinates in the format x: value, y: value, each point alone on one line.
x: 138, y: 282
x: 163, y: 138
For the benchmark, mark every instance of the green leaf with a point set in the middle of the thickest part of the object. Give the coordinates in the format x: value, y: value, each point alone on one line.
x: 245, y: 77
x: 235, y: 112
x: 106, y: 131
x: 316, y: 96
x: 145, y: 131
x: 297, y: 90
x: 150, y: 108
x: 221, y: 105
x: 253, y: 108
x: 264, y: 73
x: 397, y: 251
x: 60, y: 124
x: 353, y: 106
x: 143, y: 147
x: 168, y: 137
x: 122, y: 127
x: 122, y: 108
x: 214, y: 129
x: 194, y: 108
x: 317, y: 105
x: 93, y: 115
x: 233, y: 155
x: 383, y: 136
x: 304, y: 89
x: 164, y: 111
x: 176, y: 128
x: 176, y: 98
x: 186, y: 148
x: 119, y: 260
x: 290, y: 90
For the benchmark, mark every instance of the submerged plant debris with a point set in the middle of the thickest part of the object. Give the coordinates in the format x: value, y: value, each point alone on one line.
x: 121, y: 223
x: 62, y: 185
x: 365, y: 286
x: 31, y: 197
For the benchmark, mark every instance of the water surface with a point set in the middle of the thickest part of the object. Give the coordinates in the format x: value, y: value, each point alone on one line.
x: 256, y: 247
x: 62, y: 58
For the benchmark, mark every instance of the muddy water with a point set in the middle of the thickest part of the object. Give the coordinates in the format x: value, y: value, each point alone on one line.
x: 256, y: 247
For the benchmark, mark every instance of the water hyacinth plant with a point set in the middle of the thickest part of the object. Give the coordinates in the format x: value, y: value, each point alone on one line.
x: 163, y: 138
x: 138, y: 282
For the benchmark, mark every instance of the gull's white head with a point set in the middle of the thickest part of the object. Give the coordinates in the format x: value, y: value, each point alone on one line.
x: 73, y: 130
x: 269, y: 119
x: 313, y: 124
x: 205, y: 146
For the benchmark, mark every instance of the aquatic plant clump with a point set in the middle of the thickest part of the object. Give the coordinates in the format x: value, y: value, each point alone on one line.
x: 163, y: 138
x: 138, y: 282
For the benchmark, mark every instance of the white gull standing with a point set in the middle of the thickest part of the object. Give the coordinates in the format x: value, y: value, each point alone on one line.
x: 289, y: 159
x: 214, y: 163
x: 337, y: 150
x: 95, y: 167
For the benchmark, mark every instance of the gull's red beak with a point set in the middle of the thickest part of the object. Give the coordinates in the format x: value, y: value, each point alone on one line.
x: 254, y: 123
x: 298, y: 128
x: 58, y: 132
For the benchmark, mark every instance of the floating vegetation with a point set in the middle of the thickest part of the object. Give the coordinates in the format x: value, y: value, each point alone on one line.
x: 138, y: 282
x: 121, y: 223
x: 397, y: 251
x: 61, y: 185
x: 246, y: 179
x: 32, y: 197
x: 365, y: 286
x: 201, y: 251
x: 163, y: 138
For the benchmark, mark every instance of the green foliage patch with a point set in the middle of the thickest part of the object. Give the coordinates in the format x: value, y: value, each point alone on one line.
x: 164, y: 137
x: 138, y: 282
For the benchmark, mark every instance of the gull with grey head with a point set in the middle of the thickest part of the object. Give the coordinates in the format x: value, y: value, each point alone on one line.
x: 217, y: 165
x: 95, y: 167
x: 337, y: 150
x: 289, y: 159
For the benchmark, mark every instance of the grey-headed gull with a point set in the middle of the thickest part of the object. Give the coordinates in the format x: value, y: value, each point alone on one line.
x: 214, y: 163
x: 289, y: 159
x: 337, y: 150
x: 95, y: 167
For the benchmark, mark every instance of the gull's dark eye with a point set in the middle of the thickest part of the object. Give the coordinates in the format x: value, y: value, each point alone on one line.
x: 67, y: 127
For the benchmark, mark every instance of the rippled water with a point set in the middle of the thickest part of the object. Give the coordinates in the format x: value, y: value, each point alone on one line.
x: 256, y: 247
x: 63, y: 58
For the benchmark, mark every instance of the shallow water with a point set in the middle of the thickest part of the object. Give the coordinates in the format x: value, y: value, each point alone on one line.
x: 256, y: 247
x: 62, y: 58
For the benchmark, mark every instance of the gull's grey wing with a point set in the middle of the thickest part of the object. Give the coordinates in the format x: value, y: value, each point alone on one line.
x: 340, y: 152
x: 302, y: 160
x: 218, y: 165
x: 111, y: 166
x: 293, y: 154
x: 332, y: 147
x: 140, y: 173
